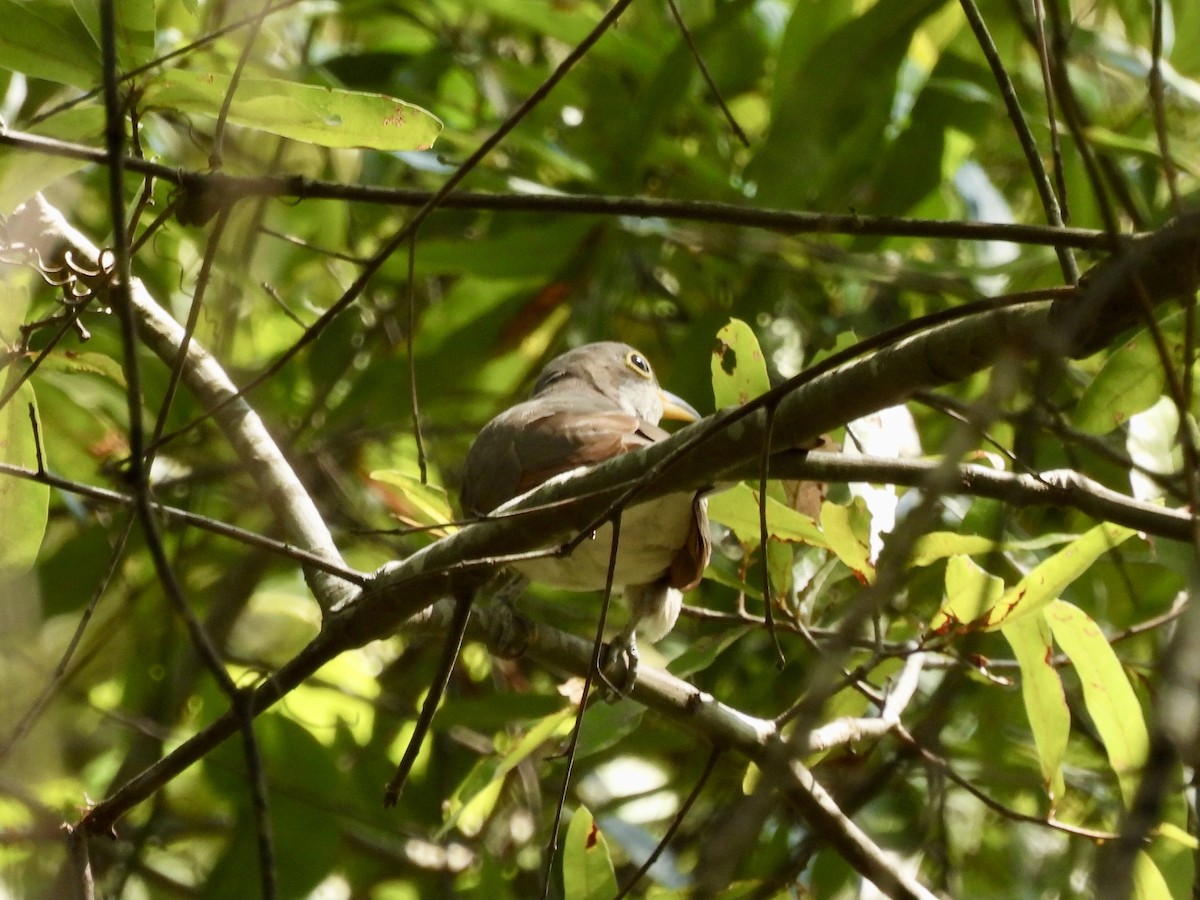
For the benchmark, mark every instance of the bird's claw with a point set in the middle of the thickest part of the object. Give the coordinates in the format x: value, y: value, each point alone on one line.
x: 619, y: 666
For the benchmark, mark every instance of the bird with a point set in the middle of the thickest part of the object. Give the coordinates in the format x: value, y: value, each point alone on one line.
x: 589, y: 404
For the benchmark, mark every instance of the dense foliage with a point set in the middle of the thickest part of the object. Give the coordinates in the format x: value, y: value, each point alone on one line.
x: 279, y: 162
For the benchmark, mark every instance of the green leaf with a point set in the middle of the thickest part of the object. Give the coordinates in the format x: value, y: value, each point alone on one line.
x: 85, y: 363
x: 1148, y: 881
x: 739, y: 372
x: 302, y: 777
x: 943, y: 544
x: 328, y: 117
x: 828, y: 118
x: 607, y: 724
x: 1130, y: 381
x: 703, y: 651
x: 970, y: 593
x: 737, y: 508
x: 24, y: 504
x: 428, y: 504
x: 848, y: 531
x: 1107, y: 693
x: 46, y: 40
x: 1050, y: 577
x: 475, y: 798
x: 1045, y: 700
x: 25, y: 172
x: 135, y: 29
x: 587, y: 866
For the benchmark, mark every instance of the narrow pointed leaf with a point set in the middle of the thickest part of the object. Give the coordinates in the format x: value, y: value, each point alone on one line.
x: 329, y: 117
x: 1107, y: 693
x: 1051, y: 577
x: 1045, y: 700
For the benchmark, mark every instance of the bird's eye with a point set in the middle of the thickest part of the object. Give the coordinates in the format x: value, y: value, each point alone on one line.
x: 638, y: 363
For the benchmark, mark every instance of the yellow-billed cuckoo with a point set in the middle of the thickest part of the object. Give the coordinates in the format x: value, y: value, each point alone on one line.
x: 588, y: 405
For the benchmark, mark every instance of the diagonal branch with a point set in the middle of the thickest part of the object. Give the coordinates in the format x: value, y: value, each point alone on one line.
x: 208, y: 381
x: 692, y: 459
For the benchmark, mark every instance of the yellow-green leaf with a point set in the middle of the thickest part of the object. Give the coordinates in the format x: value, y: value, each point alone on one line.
x: 134, y: 21
x: 47, y: 40
x: 328, y: 117
x: 25, y: 172
x: 1107, y: 693
x: 587, y: 866
x: 739, y: 372
x: 1051, y: 576
x: 24, y: 504
x: 737, y: 508
x: 428, y: 503
x: 475, y: 798
x: 848, y: 531
x: 1045, y: 700
x: 942, y: 544
x: 1148, y: 881
x: 970, y: 593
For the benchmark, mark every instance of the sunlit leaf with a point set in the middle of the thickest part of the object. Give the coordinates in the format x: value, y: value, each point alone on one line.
x: 473, y: 800
x: 46, y: 40
x: 24, y: 504
x: 738, y: 509
x: 1045, y: 700
x: 24, y: 172
x: 848, y: 531
x: 938, y: 545
x: 970, y: 593
x: 587, y: 865
x: 1148, y: 882
x: 1051, y: 577
x: 425, y: 504
x: 1107, y: 693
x: 328, y: 117
x: 739, y: 372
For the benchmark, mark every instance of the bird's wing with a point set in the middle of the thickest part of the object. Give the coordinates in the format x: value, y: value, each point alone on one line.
x: 688, y: 565
x: 561, y: 441
x: 536, y: 440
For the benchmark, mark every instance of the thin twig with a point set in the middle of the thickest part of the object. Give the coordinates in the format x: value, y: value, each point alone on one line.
x: 455, y: 633
x: 1025, y: 137
x: 764, y: 535
x: 214, y: 159
x: 352, y: 293
x: 710, y: 766
x: 194, y: 520
x: 413, y: 394
x: 1158, y: 104
x: 1043, y: 52
x: 193, y: 318
x: 585, y: 694
x: 785, y: 221
x: 708, y: 79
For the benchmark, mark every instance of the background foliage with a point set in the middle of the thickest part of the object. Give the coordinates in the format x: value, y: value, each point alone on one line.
x: 873, y: 108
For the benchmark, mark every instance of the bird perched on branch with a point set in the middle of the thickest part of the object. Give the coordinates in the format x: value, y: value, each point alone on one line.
x: 588, y: 405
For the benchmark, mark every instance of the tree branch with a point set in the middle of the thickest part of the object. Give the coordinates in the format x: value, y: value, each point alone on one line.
x: 208, y: 382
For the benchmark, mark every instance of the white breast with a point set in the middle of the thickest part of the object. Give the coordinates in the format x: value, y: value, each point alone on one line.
x: 650, y: 536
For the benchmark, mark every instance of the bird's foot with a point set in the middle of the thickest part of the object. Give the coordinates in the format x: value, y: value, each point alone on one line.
x: 619, y: 666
